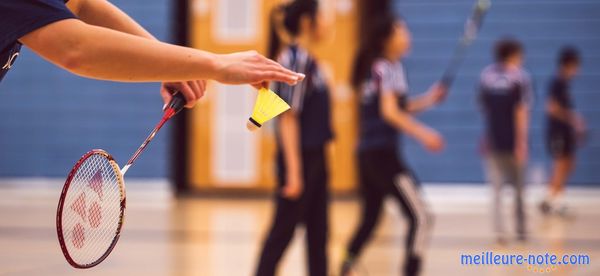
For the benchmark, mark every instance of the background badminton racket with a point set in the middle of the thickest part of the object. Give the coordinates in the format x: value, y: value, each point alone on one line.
x: 472, y: 27
x: 91, y: 208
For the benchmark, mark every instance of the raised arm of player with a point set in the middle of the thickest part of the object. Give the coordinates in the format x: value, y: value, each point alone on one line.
x: 405, y: 122
x: 428, y: 99
x: 102, y: 53
x: 104, y: 14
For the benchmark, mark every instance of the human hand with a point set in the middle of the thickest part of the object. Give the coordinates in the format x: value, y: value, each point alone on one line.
x: 191, y: 90
x: 252, y: 68
x: 293, y: 187
x: 437, y: 93
x: 432, y: 141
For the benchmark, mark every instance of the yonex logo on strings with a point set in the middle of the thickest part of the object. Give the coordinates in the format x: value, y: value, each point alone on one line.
x: 91, y: 215
x: 10, y: 61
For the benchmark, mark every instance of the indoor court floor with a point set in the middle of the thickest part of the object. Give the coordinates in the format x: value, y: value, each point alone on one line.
x: 222, y: 236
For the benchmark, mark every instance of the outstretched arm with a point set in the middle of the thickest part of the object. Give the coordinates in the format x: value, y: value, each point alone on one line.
x: 428, y: 99
x: 104, y: 14
x: 102, y: 53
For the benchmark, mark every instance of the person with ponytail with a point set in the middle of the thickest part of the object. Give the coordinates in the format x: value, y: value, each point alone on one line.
x: 385, y: 113
x: 302, y: 135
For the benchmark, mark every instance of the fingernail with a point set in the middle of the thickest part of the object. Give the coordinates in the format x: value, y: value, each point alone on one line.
x: 301, y: 76
x: 164, y: 107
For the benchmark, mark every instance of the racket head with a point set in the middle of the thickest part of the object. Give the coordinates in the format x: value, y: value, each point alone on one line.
x: 91, y: 210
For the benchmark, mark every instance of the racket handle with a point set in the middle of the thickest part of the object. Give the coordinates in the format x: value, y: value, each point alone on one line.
x: 177, y: 102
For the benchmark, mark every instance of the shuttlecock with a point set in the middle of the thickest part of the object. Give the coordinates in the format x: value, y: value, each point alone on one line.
x: 267, y: 106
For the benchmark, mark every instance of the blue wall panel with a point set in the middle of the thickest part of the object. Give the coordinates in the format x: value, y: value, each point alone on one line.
x: 49, y: 117
x: 543, y: 26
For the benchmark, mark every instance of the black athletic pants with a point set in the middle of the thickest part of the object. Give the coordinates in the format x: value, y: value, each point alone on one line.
x: 382, y: 173
x: 310, y: 209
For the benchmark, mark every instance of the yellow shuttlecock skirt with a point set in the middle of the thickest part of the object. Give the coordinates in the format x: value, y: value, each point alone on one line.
x: 267, y: 106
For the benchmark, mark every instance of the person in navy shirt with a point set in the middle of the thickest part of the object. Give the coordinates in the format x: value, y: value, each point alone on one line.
x: 302, y: 136
x: 504, y: 93
x: 386, y: 113
x: 93, y: 38
x: 565, y: 127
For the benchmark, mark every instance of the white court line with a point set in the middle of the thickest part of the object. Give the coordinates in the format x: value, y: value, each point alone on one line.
x: 442, y: 197
x: 143, y: 193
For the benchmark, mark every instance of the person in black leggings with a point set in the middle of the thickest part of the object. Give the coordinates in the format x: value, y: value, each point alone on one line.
x: 302, y: 136
x: 385, y: 111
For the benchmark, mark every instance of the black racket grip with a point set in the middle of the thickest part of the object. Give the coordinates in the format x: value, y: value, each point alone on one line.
x: 178, y: 101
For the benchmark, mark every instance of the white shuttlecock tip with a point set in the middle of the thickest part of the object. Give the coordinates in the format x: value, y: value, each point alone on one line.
x: 252, y: 125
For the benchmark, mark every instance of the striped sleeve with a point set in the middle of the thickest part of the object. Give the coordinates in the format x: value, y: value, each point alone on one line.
x: 391, y: 77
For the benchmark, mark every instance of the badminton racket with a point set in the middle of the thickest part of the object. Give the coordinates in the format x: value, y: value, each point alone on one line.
x: 472, y: 27
x: 91, y: 208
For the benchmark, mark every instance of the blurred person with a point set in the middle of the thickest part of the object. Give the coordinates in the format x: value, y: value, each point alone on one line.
x: 95, y: 39
x: 564, y: 127
x: 504, y: 91
x: 302, y: 134
x: 386, y: 112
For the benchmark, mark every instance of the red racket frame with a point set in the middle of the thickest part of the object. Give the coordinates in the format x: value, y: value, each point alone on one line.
x: 61, y: 202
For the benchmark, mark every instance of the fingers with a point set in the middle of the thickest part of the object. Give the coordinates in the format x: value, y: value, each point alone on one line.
x: 165, y: 94
x: 188, y: 93
x: 198, y: 88
x: 279, y: 75
x: 260, y: 85
x: 276, y: 72
x: 202, y: 84
x: 290, y: 192
x: 191, y: 90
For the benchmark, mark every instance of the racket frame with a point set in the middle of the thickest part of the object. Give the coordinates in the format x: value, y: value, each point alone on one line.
x: 475, y: 20
x: 63, y: 195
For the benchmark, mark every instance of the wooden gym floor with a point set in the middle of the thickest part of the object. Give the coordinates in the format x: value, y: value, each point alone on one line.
x: 201, y: 236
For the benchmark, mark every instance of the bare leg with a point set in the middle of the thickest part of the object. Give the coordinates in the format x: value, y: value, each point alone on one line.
x: 563, y: 167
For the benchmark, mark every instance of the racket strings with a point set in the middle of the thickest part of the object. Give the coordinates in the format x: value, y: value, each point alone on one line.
x: 92, y: 209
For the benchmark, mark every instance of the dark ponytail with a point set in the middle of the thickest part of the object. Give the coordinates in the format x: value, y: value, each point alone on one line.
x: 374, y: 36
x: 274, y: 31
x: 285, y: 21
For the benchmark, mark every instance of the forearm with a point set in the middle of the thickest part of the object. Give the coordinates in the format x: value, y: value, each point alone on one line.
x: 400, y: 119
x: 290, y: 140
x: 407, y: 124
x: 420, y: 103
x: 522, y: 125
x: 104, y: 14
x: 558, y: 112
x: 106, y: 54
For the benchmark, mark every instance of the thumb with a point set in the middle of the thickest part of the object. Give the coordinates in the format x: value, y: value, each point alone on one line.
x: 166, y: 95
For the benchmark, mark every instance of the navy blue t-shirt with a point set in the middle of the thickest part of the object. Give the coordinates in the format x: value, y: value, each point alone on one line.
x: 559, y: 92
x: 500, y: 92
x: 20, y: 17
x: 309, y: 99
x: 385, y: 77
